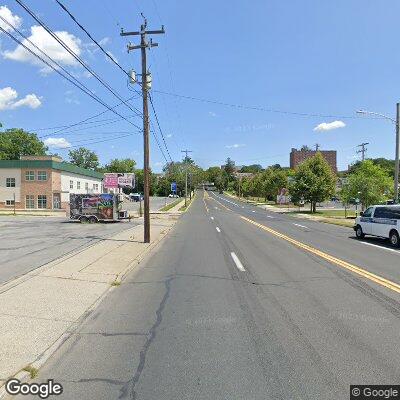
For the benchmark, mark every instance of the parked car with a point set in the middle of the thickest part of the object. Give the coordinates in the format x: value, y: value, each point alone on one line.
x: 382, y: 221
x: 136, y: 197
x: 173, y: 195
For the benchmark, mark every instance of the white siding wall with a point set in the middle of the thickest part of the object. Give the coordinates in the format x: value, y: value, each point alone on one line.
x: 8, y: 193
x: 66, y: 177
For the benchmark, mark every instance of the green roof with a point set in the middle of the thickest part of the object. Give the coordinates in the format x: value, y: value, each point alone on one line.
x: 50, y: 164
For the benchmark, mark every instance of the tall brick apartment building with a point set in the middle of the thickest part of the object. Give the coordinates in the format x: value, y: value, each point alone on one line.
x: 298, y: 156
x: 44, y: 182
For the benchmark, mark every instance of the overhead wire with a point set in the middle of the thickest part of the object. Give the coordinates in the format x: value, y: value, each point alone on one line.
x: 94, y: 97
x: 64, y: 8
x: 76, y: 57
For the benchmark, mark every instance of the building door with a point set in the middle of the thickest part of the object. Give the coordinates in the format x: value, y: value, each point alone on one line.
x: 56, y: 201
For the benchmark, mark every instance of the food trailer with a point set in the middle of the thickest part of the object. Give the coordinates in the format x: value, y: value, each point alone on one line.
x: 93, y: 208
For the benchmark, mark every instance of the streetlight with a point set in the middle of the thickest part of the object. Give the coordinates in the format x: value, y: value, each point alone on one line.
x: 396, y: 164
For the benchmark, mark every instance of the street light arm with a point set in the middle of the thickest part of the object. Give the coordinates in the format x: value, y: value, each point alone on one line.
x: 377, y: 114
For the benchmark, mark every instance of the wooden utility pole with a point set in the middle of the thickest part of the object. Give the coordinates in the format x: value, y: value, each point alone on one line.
x: 186, y: 173
x: 363, y: 150
x: 144, y: 44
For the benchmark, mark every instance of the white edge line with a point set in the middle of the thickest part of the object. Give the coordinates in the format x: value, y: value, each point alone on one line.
x: 218, y: 230
x: 381, y: 247
x: 270, y: 216
x: 237, y: 262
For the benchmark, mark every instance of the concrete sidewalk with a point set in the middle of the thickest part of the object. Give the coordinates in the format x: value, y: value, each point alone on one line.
x: 39, y: 310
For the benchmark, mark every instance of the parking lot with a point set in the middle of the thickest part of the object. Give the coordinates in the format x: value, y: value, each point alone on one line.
x: 27, y: 242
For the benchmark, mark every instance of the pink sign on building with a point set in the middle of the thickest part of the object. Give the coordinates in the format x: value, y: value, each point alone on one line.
x: 110, y: 181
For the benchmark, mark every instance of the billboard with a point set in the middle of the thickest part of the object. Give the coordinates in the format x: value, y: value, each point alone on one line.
x: 118, y: 180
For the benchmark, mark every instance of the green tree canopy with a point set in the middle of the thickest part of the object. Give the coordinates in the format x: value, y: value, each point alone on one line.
x: 384, y: 163
x: 120, y: 165
x: 314, y: 181
x: 16, y: 142
x: 369, y: 182
x: 84, y: 158
x: 229, y: 166
x: 253, y: 168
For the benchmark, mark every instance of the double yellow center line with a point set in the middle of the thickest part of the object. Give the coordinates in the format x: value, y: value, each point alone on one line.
x: 353, y: 268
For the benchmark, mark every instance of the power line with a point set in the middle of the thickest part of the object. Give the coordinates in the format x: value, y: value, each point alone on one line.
x: 112, y: 120
x: 122, y: 69
x: 105, y: 140
x: 159, y: 127
x: 256, y: 108
x: 80, y: 129
x: 73, y: 54
x: 94, y: 97
x: 91, y: 37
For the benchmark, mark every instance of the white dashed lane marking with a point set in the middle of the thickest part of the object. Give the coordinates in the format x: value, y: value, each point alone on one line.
x: 237, y: 262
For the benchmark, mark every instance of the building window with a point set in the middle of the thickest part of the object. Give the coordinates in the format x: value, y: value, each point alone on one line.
x: 78, y: 185
x: 29, y: 175
x: 86, y: 186
x: 96, y: 187
x: 30, y: 201
x: 9, y: 202
x: 71, y: 184
x: 10, y: 182
x: 42, y: 176
x: 42, y: 201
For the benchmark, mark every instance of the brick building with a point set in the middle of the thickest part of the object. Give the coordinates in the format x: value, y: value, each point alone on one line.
x: 298, y: 156
x: 44, y: 182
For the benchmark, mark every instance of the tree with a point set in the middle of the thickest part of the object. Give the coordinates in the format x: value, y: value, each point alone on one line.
x: 253, y: 168
x: 123, y: 165
x: 314, y: 181
x: 387, y: 165
x: 84, y: 158
x: 369, y: 182
x: 229, y: 167
x: 16, y: 142
x: 272, y: 181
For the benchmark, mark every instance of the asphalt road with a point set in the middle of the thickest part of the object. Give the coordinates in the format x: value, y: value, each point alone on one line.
x: 228, y: 310
x: 28, y: 242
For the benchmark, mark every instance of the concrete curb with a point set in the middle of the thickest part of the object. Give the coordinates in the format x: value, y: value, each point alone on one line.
x: 38, y: 363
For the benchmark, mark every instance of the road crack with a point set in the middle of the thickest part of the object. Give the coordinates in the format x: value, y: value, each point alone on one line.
x: 129, y: 389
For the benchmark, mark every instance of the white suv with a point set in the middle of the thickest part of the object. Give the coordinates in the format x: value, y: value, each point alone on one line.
x: 383, y: 221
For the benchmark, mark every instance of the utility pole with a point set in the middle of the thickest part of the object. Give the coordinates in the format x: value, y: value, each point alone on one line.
x: 363, y: 150
x: 146, y: 79
x: 186, y: 173
x: 396, y: 162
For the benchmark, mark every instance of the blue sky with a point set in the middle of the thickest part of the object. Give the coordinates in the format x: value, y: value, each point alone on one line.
x: 301, y: 56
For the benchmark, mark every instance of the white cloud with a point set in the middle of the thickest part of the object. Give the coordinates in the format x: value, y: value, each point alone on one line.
x: 57, y: 143
x: 9, y: 96
x: 328, y: 126
x: 234, y: 146
x: 212, y: 113
x: 169, y: 135
x: 41, y: 38
x: 10, y: 17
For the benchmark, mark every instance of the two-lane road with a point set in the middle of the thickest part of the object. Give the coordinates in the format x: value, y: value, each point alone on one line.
x: 229, y: 308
